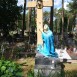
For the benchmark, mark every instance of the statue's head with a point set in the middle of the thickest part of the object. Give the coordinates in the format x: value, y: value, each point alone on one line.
x: 46, y: 28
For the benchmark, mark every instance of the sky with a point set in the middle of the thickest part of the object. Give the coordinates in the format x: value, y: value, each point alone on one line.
x: 57, y: 4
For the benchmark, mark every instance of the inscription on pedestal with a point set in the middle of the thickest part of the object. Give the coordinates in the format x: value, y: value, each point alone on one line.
x: 46, y: 66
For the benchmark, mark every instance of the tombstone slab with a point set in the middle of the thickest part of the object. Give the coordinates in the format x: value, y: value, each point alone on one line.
x: 46, y: 66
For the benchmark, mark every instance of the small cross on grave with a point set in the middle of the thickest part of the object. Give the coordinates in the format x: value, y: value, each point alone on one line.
x: 39, y: 4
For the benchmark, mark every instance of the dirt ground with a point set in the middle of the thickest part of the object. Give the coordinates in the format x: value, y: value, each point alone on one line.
x: 28, y: 64
x: 70, y: 67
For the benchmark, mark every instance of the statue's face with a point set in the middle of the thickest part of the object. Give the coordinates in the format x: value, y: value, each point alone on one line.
x: 45, y: 28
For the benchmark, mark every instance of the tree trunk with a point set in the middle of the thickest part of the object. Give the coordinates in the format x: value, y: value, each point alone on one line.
x: 56, y: 25
x: 51, y: 15
x: 29, y: 19
x: 68, y: 24
x: 24, y: 24
x: 34, y: 16
x: 62, y: 18
x: 29, y: 22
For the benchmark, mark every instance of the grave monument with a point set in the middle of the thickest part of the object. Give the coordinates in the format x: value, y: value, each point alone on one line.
x: 46, y: 60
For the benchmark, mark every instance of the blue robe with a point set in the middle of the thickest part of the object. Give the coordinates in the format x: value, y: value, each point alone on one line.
x: 47, y: 49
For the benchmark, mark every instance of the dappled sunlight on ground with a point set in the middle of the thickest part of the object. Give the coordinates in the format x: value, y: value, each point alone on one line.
x: 27, y: 64
x: 70, y: 67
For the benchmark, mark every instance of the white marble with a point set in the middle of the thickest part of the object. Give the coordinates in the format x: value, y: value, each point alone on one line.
x: 63, y: 54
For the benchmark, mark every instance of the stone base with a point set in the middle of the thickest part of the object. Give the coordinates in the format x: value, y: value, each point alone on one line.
x: 47, y: 72
x: 47, y: 67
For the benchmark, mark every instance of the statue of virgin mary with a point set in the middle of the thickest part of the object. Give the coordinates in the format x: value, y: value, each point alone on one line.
x: 47, y: 49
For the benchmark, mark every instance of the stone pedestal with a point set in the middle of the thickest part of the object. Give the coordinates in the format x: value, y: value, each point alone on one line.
x: 46, y: 67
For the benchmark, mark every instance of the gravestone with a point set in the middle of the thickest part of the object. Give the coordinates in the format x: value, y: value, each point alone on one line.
x: 45, y: 66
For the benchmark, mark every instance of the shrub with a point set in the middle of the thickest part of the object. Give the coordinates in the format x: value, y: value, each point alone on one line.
x: 10, y: 69
x: 30, y: 73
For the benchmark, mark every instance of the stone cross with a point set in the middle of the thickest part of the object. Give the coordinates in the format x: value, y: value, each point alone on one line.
x: 39, y: 4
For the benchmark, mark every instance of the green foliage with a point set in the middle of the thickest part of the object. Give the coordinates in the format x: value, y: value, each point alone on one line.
x: 30, y: 17
x: 18, y: 51
x: 71, y: 73
x: 20, y: 24
x: 46, y: 17
x: 9, y: 13
x: 30, y: 73
x: 10, y: 69
x: 73, y: 10
x: 69, y: 20
x: 73, y: 6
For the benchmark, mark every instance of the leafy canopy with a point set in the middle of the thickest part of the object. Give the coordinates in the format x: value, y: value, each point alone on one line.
x: 9, y: 12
